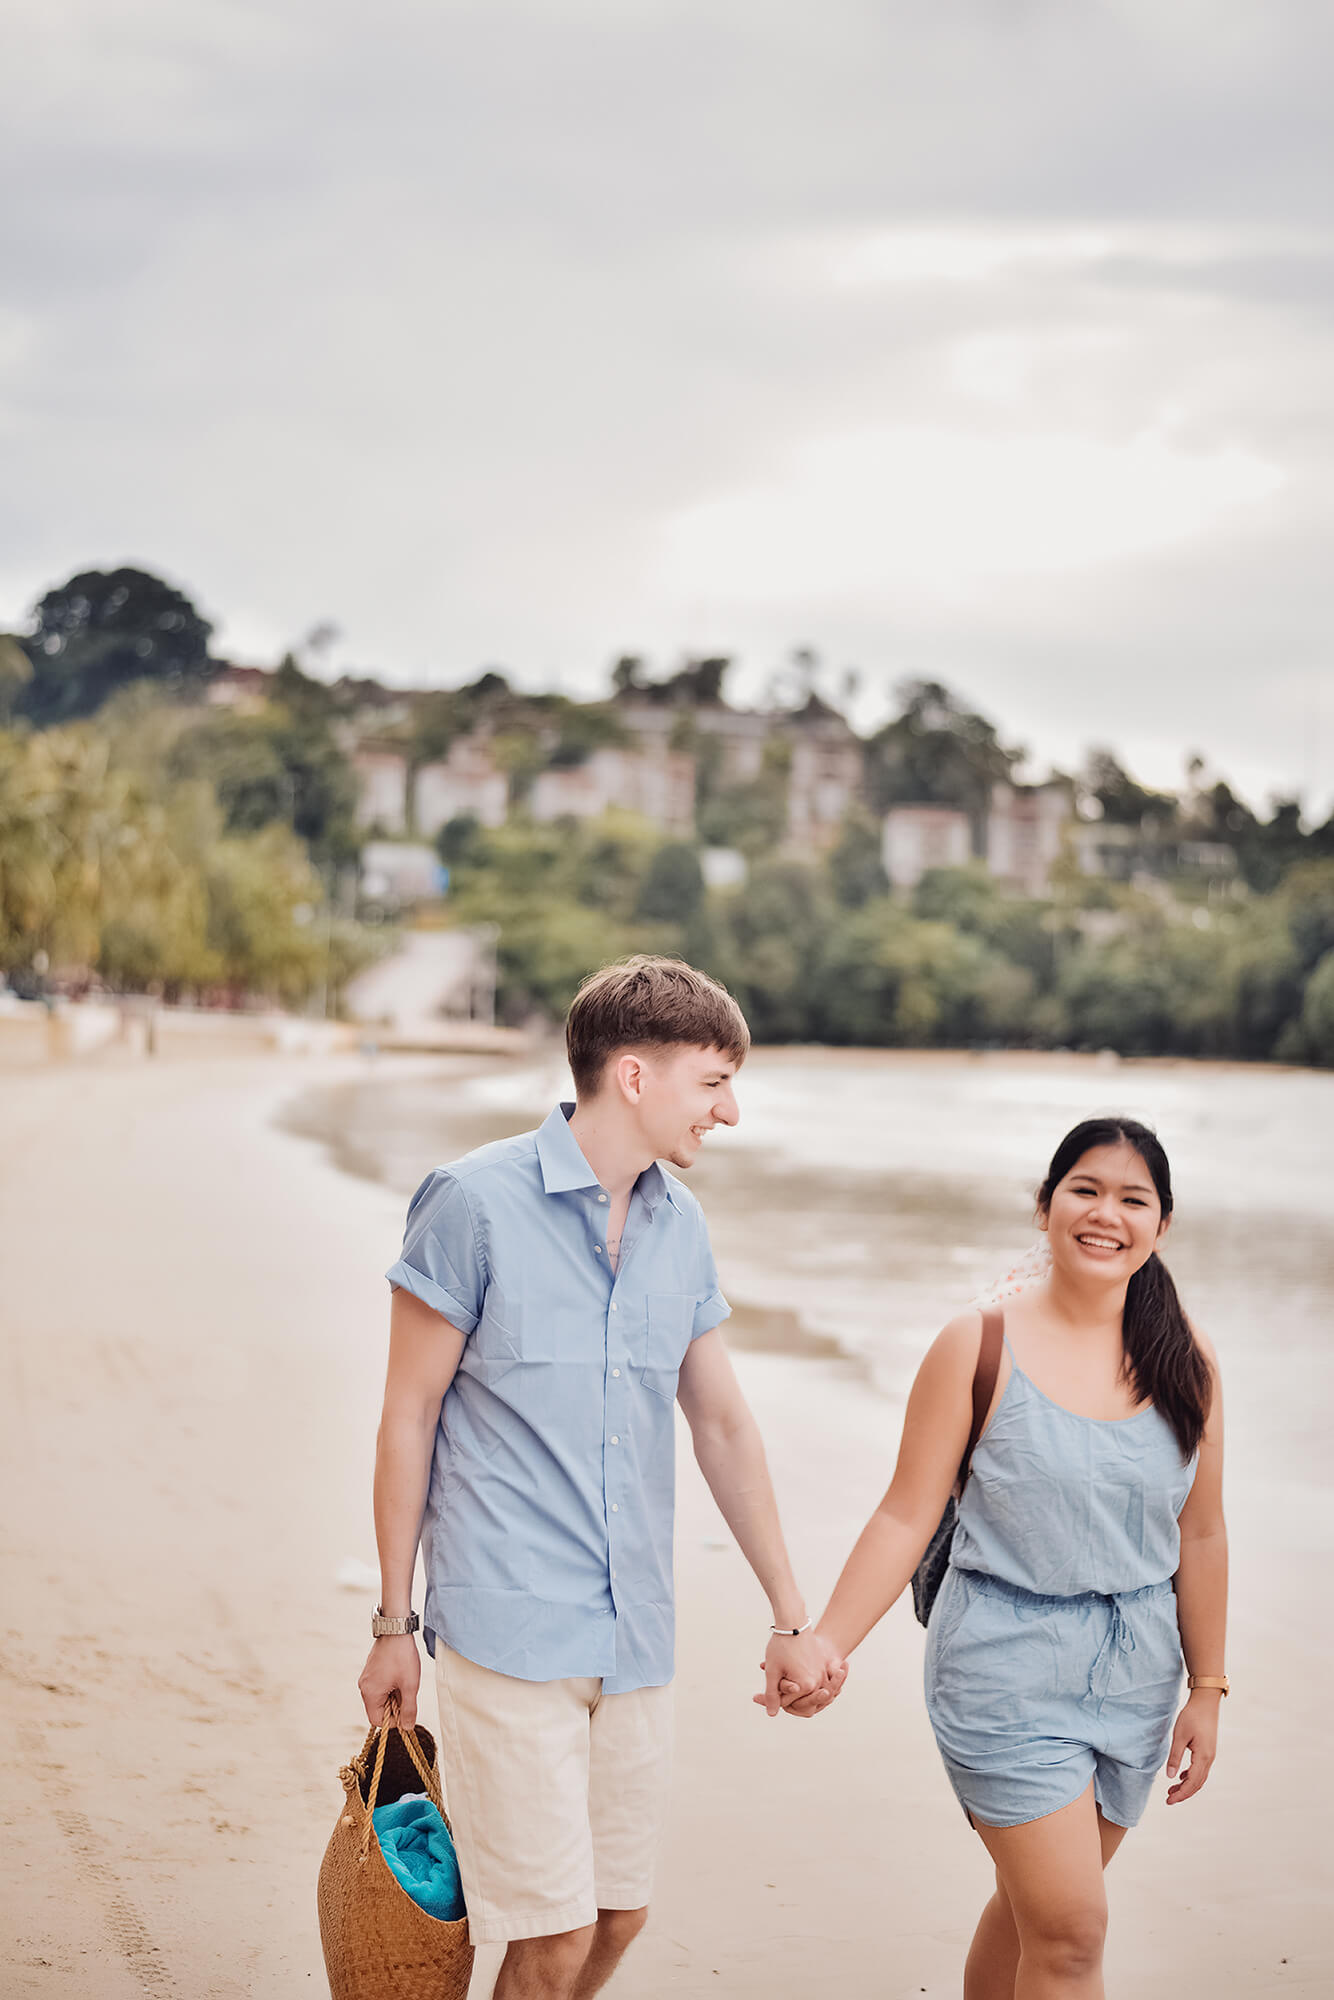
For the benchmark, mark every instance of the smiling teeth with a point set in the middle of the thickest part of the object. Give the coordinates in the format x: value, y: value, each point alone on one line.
x: 1099, y: 1242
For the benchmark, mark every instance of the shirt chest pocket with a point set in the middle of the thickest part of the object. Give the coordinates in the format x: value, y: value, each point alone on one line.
x: 669, y: 1319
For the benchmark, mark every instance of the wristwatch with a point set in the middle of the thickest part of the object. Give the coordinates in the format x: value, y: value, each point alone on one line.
x: 393, y: 1628
x: 1219, y: 1681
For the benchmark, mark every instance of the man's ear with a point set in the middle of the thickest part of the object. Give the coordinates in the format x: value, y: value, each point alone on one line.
x: 630, y: 1075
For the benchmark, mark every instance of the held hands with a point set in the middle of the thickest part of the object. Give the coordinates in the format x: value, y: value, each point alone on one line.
x: 801, y: 1676
x: 1197, y: 1732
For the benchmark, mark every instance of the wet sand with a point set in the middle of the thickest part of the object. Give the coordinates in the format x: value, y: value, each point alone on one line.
x: 192, y: 1317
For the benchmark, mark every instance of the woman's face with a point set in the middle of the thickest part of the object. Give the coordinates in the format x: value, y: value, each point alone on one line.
x: 1105, y: 1217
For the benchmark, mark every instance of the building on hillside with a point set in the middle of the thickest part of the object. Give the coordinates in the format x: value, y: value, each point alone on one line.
x: 915, y: 839
x: 464, y: 783
x: 1104, y: 847
x: 658, y: 729
x: 826, y: 765
x: 368, y: 703
x: 656, y: 781
x: 397, y: 872
x: 382, y: 787
x: 1214, y: 859
x: 723, y: 867
x: 243, y: 690
x: 1026, y: 830
x: 825, y: 776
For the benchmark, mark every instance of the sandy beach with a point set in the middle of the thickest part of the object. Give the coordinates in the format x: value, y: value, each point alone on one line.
x: 193, y: 1319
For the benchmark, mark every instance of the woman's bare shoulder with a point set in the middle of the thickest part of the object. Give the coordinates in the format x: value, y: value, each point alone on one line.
x: 955, y: 1346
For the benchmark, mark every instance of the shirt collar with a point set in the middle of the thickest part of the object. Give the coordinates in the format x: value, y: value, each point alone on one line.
x: 564, y: 1167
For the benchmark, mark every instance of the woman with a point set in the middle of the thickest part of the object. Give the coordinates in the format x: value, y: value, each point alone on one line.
x: 1090, y: 1554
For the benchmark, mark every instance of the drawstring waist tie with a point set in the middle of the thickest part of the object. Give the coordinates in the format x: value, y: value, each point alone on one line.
x: 1117, y: 1641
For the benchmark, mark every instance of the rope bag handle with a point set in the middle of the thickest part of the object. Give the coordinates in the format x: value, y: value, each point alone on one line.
x: 380, y: 1738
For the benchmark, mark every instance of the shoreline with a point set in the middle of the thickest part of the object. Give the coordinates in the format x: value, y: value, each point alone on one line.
x: 193, y: 1322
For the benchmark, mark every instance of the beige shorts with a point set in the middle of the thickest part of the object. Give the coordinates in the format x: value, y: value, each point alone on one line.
x: 557, y: 1795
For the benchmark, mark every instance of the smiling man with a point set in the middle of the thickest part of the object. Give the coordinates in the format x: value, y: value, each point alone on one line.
x: 555, y: 1296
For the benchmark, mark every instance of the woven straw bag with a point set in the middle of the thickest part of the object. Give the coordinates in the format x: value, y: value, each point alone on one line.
x: 377, y: 1941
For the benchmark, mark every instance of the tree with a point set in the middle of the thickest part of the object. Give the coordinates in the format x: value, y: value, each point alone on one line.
x: 1307, y: 898
x: 936, y: 752
x: 752, y: 816
x: 1318, y: 1013
x: 855, y: 867
x: 15, y: 675
x: 104, y: 629
x: 1124, y: 802
x: 673, y: 889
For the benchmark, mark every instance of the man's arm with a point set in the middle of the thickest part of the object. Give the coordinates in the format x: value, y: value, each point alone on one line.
x: 730, y: 1454
x: 424, y: 1352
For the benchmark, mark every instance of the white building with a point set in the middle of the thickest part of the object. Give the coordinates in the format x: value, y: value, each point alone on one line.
x: 1026, y: 829
x: 465, y: 782
x: 382, y: 789
x: 659, y: 783
x: 917, y: 838
x: 825, y: 775
x: 400, y: 871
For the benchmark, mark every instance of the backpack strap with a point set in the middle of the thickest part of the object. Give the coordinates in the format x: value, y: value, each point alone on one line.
x: 984, y: 1381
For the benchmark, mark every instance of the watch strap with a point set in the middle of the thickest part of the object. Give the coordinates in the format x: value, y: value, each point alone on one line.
x: 393, y: 1628
x: 1219, y: 1681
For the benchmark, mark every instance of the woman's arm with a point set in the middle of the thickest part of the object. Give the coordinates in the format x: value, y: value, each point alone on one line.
x: 894, y: 1540
x: 1201, y: 1588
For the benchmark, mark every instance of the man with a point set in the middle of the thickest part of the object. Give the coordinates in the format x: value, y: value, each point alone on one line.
x: 555, y: 1294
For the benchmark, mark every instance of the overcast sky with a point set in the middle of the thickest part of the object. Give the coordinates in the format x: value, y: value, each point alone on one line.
x: 989, y: 340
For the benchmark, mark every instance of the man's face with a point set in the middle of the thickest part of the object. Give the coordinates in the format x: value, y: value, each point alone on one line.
x: 686, y: 1092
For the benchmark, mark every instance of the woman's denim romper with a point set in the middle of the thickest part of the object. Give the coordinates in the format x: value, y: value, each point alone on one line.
x: 1053, y: 1654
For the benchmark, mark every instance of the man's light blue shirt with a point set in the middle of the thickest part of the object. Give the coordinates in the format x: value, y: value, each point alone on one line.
x: 547, y: 1537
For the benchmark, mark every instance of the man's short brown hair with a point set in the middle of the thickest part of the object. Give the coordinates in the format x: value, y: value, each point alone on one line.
x: 649, y: 1003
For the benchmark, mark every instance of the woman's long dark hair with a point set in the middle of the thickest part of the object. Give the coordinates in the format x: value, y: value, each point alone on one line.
x: 1163, y: 1361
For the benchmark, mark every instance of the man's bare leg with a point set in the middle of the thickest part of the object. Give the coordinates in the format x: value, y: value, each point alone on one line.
x: 545, y: 1968
x: 616, y: 1931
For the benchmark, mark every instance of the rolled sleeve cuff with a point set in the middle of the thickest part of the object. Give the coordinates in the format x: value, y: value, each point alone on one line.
x: 713, y: 1312
x: 409, y: 1279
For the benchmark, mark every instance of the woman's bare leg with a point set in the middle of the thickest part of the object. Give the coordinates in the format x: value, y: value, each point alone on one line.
x: 1051, y: 1875
x: 993, y: 1957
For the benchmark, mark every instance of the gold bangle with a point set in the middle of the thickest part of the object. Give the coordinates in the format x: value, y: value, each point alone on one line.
x: 1219, y: 1681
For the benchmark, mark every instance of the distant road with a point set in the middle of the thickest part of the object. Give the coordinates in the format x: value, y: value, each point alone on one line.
x: 434, y: 976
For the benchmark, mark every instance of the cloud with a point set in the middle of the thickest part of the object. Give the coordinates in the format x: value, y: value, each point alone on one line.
x: 995, y: 338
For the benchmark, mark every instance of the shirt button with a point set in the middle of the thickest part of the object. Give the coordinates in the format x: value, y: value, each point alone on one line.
x: 602, y: 1197
x: 614, y: 1508
x: 616, y: 1371
x: 614, y: 1306
x: 597, y: 1249
x: 616, y: 1440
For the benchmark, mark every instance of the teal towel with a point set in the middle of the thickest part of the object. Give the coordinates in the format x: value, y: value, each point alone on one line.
x: 415, y: 1842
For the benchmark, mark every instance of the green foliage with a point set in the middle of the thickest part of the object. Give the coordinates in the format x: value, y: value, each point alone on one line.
x: 583, y: 727
x: 284, y: 766
x: 673, y: 888
x: 101, y: 631
x: 752, y: 816
x: 113, y: 864
x: 855, y: 867
x: 1307, y: 899
x: 1317, y: 1024
x: 936, y: 752
x: 894, y: 979
x: 15, y: 676
x: 1123, y: 801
